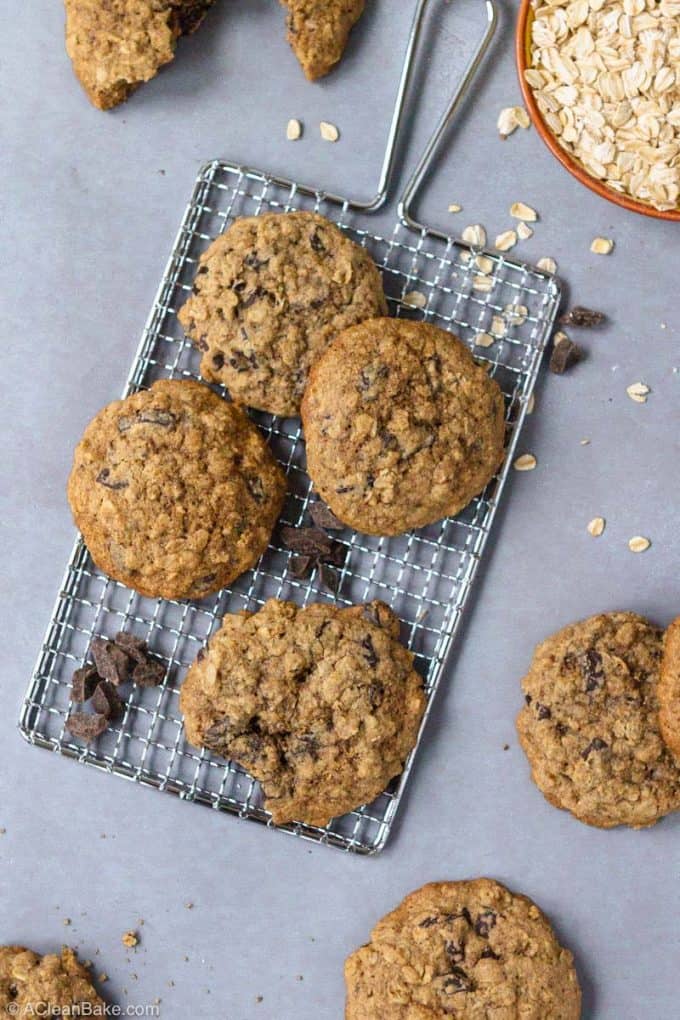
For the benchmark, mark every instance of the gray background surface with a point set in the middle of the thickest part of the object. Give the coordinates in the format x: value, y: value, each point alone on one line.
x: 90, y: 205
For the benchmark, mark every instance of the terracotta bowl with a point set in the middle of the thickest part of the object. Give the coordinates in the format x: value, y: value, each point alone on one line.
x: 523, y: 55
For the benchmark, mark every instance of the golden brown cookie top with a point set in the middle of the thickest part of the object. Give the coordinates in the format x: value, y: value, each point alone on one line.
x: 28, y: 982
x: 590, y: 725
x: 466, y: 950
x: 318, y: 31
x: 117, y: 45
x: 402, y: 427
x: 269, y: 296
x: 669, y: 688
x: 175, y: 491
x: 321, y: 705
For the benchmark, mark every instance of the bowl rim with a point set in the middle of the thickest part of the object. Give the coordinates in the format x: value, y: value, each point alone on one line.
x: 546, y: 135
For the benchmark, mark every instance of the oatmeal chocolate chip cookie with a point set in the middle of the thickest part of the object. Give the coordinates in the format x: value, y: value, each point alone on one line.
x: 321, y: 705
x: 590, y: 726
x: 117, y: 45
x: 402, y: 427
x: 467, y: 950
x: 269, y: 296
x: 669, y: 688
x: 29, y: 983
x: 318, y: 31
x: 175, y: 491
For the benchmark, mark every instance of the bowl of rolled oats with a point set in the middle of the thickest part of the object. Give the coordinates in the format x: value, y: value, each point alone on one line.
x: 601, y: 82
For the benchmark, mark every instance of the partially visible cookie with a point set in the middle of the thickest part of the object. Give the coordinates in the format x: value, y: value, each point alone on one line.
x: 463, y: 949
x: 402, y: 427
x: 269, y: 296
x: 669, y: 688
x: 175, y: 491
x: 318, y: 31
x: 321, y: 705
x: 117, y: 45
x: 590, y: 725
x: 30, y: 984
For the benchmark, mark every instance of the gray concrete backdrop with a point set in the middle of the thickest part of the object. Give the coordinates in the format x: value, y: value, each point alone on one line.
x: 90, y: 204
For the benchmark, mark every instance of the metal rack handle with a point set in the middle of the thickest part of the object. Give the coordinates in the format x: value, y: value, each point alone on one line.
x: 421, y: 171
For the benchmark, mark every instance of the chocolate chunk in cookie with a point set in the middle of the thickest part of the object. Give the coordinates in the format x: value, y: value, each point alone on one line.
x: 402, y: 427
x: 270, y: 294
x: 321, y: 705
x: 463, y: 949
x: 201, y: 498
x: 590, y: 723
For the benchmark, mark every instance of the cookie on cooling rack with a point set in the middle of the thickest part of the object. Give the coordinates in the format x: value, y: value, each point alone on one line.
x: 30, y: 983
x: 402, y: 427
x: 269, y: 296
x: 118, y: 45
x: 463, y: 949
x: 669, y: 688
x: 175, y: 491
x: 321, y: 705
x: 318, y: 31
x: 590, y: 725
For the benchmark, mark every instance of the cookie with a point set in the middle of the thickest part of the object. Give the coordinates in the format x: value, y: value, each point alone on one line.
x: 402, y: 426
x: 269, y: 296
x: 318, y: 31
x: 463, y: 949
x: 118, y: 45
x: 669, y: 688
x: 321, y: 705
x: 590, y: 725
x: 175, y: 491
x: 30, y: 983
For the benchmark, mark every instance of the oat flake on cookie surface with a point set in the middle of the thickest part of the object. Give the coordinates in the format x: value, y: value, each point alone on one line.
x: 606, y: 78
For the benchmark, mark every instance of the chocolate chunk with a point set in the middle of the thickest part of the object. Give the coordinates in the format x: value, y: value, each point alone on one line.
x: 252, y: 261
x: 369, y: 650
x: 112, y: 662
x: 134, y: 647
x: 564, y: 356
x: 156, y: 416
x: 324, y: 517
x: 329, y: 578
x: 317, y: 244
x: 428, y: 922
x: 301, y: 567
x: 218, y: 360
x: 105, y: 700
x: 455, y: 951
x: 255, y: 488
x: 376, y: 693
x: 583, y: 317
x: 596, y: 744
x: 542, y: 711
x: 590, y: 664
x: 484, y: 923
x: 308, y: 541
x: 84, y: 682
x: 488, y: 954
x: 241, y: 362
x: 457, y: 981
x: 104, y: 478
x: 149, y: 673
x: 337, y: 555
x: 85, y: 726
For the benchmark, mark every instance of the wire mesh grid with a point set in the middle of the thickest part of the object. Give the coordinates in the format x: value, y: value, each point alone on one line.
x: 425, y: 576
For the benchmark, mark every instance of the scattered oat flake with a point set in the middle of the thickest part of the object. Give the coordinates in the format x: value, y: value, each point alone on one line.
x: 602, y: 246
x: 596, y: 526
x: 484, y: 263
x: 639, y: 544
x: 498, y: 325
x: 475, y: 235
x: 130, y: 939
x: 585, y: 442
x: 483, y: 284
x: 510, y: 118
x: 521, y: 211
x: 506, y: 240
x: 293, y: 130
x: 454, y: 207
x: 415, y: 299
x: 525, y: 462
x: 547, y: 264
x: 638, y: 391
x: 531, y: 404
x: 524, y: 231
x: 329, y: 132
x: 67, y: 921
x: 516, y: 315
x: 483, y: 340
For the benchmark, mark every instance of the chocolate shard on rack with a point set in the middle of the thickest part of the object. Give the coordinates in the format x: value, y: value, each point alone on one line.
x: 324, y: 517
x: 583, y: 317
x: 105, y: 700
x: 307, y: 541
x: 149, y: 673
x: 112, y: 662
x: 565, y: 355
x: 133, y: 646
x: 85, y: 726
x: 84, y: 682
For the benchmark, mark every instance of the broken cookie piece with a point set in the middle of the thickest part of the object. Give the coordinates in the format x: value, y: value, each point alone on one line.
x: 318, y: 31
x: 117, y: 45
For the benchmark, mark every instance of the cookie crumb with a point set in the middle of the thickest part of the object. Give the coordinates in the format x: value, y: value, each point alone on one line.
x: 66, y: 922
x: 639, y: 544
x: 189, y: 905
x: 525, y: 462
x: 102, y: 978
x: 585, y: 442
x: 329, y: 132
x: 293, y: 130
x: 602, y: 246
x: 130, y: 939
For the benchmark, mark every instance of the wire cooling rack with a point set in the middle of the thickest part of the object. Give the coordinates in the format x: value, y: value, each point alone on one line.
x: 425, y: 576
